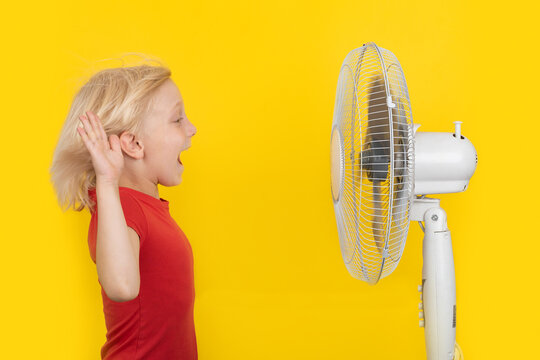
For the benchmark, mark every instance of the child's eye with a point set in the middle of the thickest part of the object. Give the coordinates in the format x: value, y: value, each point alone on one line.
x: 179, y: 120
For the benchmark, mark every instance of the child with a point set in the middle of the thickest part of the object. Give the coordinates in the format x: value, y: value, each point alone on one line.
x: 111, y: 163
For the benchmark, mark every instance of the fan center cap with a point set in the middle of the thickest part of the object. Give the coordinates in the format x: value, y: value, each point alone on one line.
x: 337, y: 166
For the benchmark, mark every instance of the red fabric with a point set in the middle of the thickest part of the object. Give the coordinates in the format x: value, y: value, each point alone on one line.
x: 158, y: 323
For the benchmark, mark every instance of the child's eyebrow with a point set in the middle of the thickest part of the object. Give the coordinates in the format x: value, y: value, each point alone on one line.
x: 176, y: 105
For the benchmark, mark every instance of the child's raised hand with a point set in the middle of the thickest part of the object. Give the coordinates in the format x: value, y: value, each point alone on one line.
x: 108, y: 160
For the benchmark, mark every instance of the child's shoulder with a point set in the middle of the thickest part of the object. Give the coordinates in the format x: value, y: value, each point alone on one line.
x: 126, y: 194
x: 132, y: 205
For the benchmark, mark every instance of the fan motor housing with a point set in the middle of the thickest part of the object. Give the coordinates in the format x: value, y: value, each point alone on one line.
x: 444, y: 163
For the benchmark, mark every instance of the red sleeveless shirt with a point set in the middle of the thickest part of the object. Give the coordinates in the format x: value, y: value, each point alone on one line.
x: 158, y: 323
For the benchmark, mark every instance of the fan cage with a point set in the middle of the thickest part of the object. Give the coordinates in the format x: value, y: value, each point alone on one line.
x: 372, y: 111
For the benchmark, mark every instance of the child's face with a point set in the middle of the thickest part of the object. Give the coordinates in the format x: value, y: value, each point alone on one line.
x: 165, y: 134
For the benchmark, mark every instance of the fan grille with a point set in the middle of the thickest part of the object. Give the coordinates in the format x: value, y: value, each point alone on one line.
x: 375, y: 160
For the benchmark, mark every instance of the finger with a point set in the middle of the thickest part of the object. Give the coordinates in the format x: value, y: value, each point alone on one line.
x: 88, y: 128
x: 100, y: 128
x: 85, y: 138
x: 94, y: 124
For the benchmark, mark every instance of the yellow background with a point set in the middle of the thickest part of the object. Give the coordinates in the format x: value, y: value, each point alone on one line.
x: 259, y: 82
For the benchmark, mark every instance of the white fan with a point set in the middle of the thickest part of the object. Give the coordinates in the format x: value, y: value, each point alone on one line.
x: 381, y: 171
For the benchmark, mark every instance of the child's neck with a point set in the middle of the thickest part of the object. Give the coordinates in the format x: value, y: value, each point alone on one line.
x: 145, y: 186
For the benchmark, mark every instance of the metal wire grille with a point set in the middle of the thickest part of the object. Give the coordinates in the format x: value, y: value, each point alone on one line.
x: 375, y: 159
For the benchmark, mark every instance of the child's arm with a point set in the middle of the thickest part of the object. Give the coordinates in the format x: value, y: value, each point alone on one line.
x: 117, y: 246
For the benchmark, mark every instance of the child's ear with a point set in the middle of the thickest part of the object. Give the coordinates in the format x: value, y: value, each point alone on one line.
x: 131, y: 145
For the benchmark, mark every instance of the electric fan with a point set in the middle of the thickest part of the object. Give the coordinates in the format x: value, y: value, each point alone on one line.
x: 381, y: 171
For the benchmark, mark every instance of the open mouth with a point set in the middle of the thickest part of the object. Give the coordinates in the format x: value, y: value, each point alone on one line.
x: 180, y: 161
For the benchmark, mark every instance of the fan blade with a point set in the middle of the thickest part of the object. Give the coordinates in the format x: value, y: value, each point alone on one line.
x: 378, y: 218
x: 378, y: 128
x: 378, y: 142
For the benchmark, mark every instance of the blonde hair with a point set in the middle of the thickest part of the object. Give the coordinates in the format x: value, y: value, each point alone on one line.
x: 121, y: 97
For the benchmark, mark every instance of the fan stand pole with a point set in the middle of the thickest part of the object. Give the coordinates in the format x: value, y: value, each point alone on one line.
x: 438, y: 281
